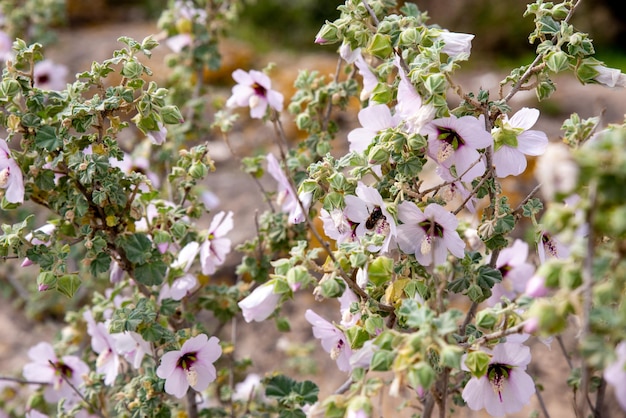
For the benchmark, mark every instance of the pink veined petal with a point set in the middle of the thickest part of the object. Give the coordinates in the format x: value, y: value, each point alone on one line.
x: 409, y: 213
x: 168, y: 365
x: 493, y: 405
x: 376, y: 117
x: 356, y: 209
x: 275, y: 100
x: 410, y: 238
x: 532, y: 142
x: 186, y: 256
x: 261, y: 79
x: 258, y: 111
x: 515, y: 255
x: 511, y: 353
x: 472, y: 130
x: 475, y: 391
x: 211, y: 351
x: 177, y: 42
x: 517, y: 391
x: 369, y: 79
x: 463, y: 158
x: 409, y: 101
x: 206, y: 374
x: 360, y: 139
x: 509, y: 161
x: 176, y: 384
x: 194, y: 344
x: 222, y: 224
x: 242, y: 77
x: 369, y: 195
x: 454, y: 243
x: 439, y: 251
x: 520, y: 275
x: 240, y: 96
x: 259, y: 304
x: 524, y: 118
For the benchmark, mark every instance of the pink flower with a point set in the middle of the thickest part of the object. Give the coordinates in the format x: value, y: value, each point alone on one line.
x: 137, y: 164
x: 250, y: 388
x: 259, y: 304
x: 49, y: 76
x: 373, y: 119
x: 178, y: 42
x: 337, y: 226
x: 333, y: 340
x: 11, y: 178
x: 180, y: 288
x: 33, y: 413
x: 192, y: 365
x: 103, y: 344
x: 213, y: 251
x: 355, y: 57
x: 551, y: 246
x: 610, y: 77
x: 409, y: 107
x: 6, y: 47
x: 254, y: 89
x: 368, y: 210
x: 429, y: 234
x: 456, y: 45
x: 454, y: 142
x: 47, y: 229
x: 536, y: 286
x: 132, y: 346
x: 47, y: 368
x: 506, y: 387
x: 158, y: 137
x: 286, y: 196
x: 516, y: 272
x: 186, y: 256
x: 615, y: 374
x: 346, y: 300
x: 513, y: 139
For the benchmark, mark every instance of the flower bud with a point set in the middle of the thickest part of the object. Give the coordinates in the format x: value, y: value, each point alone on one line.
x: 378, y: 155
x: 132, y: 69
x: 329, y: 34
x: 198, y: 170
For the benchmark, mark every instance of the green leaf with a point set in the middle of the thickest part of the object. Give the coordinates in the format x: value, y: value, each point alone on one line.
x: 549, y: 25
x: 487, y: 277
x: 151, y: 273
x: 137, y: 247
x: 68, y: 284
x: 382, y: 360
x: 46, y: 138
x: 279, y: 386
x: 308, y: 391
x: 100, y: 263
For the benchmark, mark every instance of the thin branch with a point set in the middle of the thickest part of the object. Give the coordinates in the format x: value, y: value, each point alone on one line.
x: 371, y: 12
x: 22, y: 381
x: 542, y: 404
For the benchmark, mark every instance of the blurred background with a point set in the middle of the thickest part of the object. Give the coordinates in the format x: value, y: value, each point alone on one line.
x: 292, y: 24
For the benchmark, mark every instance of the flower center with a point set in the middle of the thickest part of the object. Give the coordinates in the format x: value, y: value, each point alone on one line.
x: 549, y: 245
x: 505, y: 270
x: 336, y: 351
x: 450, y: 137
x: 498, y: 374
x: 432, y: 229
x: 187, y: 360
x: 259, y: 90
x: 4, y: 177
